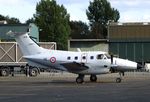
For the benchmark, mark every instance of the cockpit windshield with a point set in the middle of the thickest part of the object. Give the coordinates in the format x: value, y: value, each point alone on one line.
x: 103, y: 56
x: 108, y: 56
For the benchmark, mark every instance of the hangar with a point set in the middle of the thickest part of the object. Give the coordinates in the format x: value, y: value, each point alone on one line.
x: 130, y: 41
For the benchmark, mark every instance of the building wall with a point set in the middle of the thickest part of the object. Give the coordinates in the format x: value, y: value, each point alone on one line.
x: 4, y: 28
x: 130, y: 41
x: 129, y: 31
x: 88, y: 46
x: 135, y: 51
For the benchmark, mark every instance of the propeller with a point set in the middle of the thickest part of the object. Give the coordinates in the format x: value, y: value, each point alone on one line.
x: 113, y: 65
x: 111, y: 58
x: 112, y: 69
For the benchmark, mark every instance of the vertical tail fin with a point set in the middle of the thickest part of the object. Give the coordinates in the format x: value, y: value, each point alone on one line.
x: 26, y: 44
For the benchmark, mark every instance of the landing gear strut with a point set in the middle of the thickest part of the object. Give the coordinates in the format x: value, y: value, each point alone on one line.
x: 118, y: 80
x: 93, y: 78
x: 80, y: 79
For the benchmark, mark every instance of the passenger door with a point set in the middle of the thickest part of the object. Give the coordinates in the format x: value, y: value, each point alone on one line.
x: 84, y: 58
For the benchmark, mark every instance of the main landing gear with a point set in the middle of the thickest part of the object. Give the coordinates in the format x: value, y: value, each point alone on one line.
x: 93, y: 78
x: 80, y: 78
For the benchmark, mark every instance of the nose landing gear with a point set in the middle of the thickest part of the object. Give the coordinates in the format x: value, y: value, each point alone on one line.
x: 93, y: 78
x: 118, y: 80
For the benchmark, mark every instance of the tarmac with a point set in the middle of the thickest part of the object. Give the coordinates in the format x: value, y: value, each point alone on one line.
x: 63, y: 88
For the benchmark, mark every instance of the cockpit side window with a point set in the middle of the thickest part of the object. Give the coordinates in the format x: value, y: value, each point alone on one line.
x: 108, y: 56
x: 100, y: 56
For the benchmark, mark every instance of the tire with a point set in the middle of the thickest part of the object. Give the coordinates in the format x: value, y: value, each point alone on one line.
x: 33, y: 72
x: 118, y: 80
x: 79, y: 80
x: 93, y: 78
x: 4, y: 72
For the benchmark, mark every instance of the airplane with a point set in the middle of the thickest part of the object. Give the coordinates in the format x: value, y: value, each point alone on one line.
x: 82, y: 63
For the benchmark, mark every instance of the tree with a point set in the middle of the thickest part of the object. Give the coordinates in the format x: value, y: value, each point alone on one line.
x: 12, y: 20
x: 99, y: 13
x: 2, y: 17
x: 53, y: 19
x: 30, y: 20
x: 79, y: 30
x: 9, y: 20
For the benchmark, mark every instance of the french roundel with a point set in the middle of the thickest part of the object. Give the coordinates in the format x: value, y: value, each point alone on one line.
x: 52, y: 59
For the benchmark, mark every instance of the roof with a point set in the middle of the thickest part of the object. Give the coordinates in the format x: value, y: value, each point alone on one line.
x: 85, y: 40
x: 128, y: 23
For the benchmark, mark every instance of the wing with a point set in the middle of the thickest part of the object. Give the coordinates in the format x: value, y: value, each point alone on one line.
x: 74, y: 66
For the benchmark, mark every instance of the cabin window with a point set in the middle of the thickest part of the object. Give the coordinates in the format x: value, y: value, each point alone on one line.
x: 76, y: 58
x: 83, y: 57
x: 92, y: 57
x: 100, y: 56
x: 68, y: 58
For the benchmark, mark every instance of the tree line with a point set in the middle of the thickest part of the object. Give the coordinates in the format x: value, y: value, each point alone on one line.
x: 54, y: 22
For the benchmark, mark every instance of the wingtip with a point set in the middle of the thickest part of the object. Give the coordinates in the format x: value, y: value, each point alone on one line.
x: 11, y: 33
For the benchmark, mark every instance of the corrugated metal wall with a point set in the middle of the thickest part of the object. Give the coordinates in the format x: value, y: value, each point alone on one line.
x: 129, y: 31
x: 133, y: 51
x: 130, y: 41
x: 87, y: 46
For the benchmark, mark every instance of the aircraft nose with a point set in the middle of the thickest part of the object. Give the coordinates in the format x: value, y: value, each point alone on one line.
x: 139, y: 66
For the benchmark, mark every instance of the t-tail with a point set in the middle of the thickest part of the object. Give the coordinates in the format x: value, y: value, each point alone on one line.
x: 26, y: 44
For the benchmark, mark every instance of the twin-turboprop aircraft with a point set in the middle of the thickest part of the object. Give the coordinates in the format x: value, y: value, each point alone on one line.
x: 82, y: 63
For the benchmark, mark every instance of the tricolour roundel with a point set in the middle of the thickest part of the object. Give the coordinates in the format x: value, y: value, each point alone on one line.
x: 52, y: 59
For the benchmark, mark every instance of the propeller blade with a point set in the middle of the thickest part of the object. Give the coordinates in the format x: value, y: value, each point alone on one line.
x: 111, y: 59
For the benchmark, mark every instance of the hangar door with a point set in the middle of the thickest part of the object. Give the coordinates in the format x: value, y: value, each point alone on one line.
x: 134, y: 51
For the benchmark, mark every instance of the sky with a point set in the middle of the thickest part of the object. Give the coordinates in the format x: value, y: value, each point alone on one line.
x: 130, y: 10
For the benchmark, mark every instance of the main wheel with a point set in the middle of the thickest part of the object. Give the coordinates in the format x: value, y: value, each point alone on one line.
x: 4, y: 72
x: 93, y: 78
x: 79, y: 80
x: 118, y: 80
x: 33, y: 72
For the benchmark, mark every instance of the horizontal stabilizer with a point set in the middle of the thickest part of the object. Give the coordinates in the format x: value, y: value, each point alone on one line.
x: 11, y: 33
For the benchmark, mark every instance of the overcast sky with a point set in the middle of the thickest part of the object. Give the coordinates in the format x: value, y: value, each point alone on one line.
x: 130, y: 10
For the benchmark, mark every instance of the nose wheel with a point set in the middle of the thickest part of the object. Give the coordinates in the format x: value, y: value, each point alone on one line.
x: 80, y: 79
x: 118, y: 80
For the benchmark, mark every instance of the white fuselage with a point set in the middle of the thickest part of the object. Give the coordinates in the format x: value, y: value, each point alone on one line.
x: 97, y: 62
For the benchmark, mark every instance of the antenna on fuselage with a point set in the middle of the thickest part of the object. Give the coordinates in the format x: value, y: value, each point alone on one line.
x: 78, y: 49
